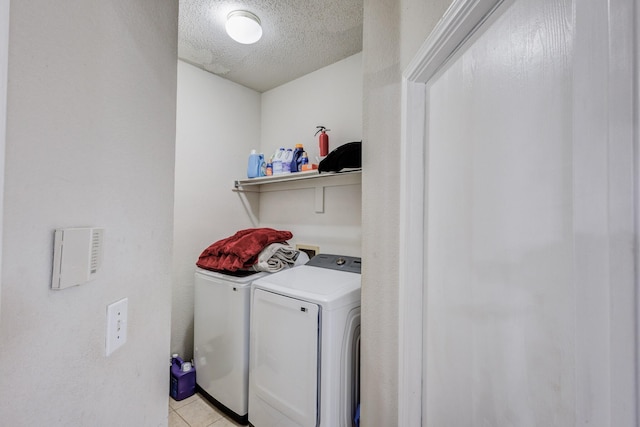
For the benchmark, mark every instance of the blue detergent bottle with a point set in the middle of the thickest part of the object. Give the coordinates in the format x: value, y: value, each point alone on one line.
x: 254, y: 165
x: 296, y: 161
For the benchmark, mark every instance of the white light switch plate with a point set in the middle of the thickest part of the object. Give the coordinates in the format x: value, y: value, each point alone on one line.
x: 116, y: 325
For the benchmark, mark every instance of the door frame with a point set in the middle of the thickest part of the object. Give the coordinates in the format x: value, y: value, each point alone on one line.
x: 4, y: 65
x: 458, y: 24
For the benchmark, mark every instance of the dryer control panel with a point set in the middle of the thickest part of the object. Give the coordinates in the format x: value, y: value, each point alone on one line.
x: 336, y: 262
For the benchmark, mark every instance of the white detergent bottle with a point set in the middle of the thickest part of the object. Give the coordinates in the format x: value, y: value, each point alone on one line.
x: 286, y: 161
x: 277, y: 161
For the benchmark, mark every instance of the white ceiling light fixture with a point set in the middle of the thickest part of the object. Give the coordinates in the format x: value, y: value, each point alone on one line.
x: 244, y: 27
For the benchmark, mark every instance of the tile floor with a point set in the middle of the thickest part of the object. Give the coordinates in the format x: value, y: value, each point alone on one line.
x: 196, y: 411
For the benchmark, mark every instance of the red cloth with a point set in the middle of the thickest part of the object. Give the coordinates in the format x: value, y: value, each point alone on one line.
x: 241, y: 250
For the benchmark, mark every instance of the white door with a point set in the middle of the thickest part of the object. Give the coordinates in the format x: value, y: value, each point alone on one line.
x: 283, y: 362
x: 527, y: 268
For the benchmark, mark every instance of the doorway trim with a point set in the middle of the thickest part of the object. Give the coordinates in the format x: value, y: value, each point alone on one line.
x: 4, y: 70
x: 459, y: 22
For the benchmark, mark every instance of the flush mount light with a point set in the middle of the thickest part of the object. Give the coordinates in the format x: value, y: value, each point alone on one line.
x: 244, y: 27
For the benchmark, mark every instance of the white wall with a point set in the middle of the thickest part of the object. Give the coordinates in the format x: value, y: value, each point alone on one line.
x: 331, y: 96
x: 392, y: 33
x: 90, y: 142
x: 218, y: 123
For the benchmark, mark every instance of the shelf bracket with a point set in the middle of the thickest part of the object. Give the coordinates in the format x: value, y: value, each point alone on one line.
x: 300, y: 180
x: 319, y: 199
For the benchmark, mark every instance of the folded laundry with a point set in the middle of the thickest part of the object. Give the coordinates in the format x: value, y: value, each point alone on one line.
x: 275, y: 257
x: 241, y: 250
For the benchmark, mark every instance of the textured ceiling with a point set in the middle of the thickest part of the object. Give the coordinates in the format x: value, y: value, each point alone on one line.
x: 299, y: 36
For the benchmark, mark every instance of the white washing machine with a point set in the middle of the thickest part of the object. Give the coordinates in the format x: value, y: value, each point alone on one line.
x: 304, y: 358
x: 221, y: 339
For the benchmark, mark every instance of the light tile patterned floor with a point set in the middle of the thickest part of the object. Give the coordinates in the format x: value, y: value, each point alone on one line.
x: 195, y: 411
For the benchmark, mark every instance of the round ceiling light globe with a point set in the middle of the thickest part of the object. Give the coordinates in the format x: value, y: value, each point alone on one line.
x: 244, y: 27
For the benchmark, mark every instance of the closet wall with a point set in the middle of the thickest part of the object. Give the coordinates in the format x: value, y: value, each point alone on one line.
x: 217, y: 124
x: 332, y: 97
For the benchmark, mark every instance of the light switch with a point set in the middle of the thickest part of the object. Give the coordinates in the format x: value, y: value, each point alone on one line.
x: 116, y: 325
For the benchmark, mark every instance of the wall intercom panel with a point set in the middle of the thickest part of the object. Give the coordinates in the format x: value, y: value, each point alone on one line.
x: 77, y: 256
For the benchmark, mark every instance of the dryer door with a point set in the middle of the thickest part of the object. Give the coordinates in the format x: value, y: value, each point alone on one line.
x: 284, y: 361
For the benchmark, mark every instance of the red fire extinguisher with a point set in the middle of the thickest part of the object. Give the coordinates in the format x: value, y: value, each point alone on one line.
x: 323, y: 141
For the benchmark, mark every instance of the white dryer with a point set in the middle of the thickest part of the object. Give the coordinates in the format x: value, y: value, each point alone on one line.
x: 221, y: 339
x: 304, y: 341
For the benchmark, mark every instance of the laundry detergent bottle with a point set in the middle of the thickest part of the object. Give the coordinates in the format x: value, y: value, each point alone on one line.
x: 297, y: 158
x: 277, y: 161
x: 182, y: 378
x: 255, y: 162
x: 286, y: 161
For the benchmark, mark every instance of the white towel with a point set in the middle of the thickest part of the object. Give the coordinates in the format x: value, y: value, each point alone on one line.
x: 275, y: 257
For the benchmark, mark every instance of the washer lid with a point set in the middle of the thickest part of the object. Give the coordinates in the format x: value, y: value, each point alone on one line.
x: 337, y: 262
x: 239, y: 279
x: 329, y: 288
